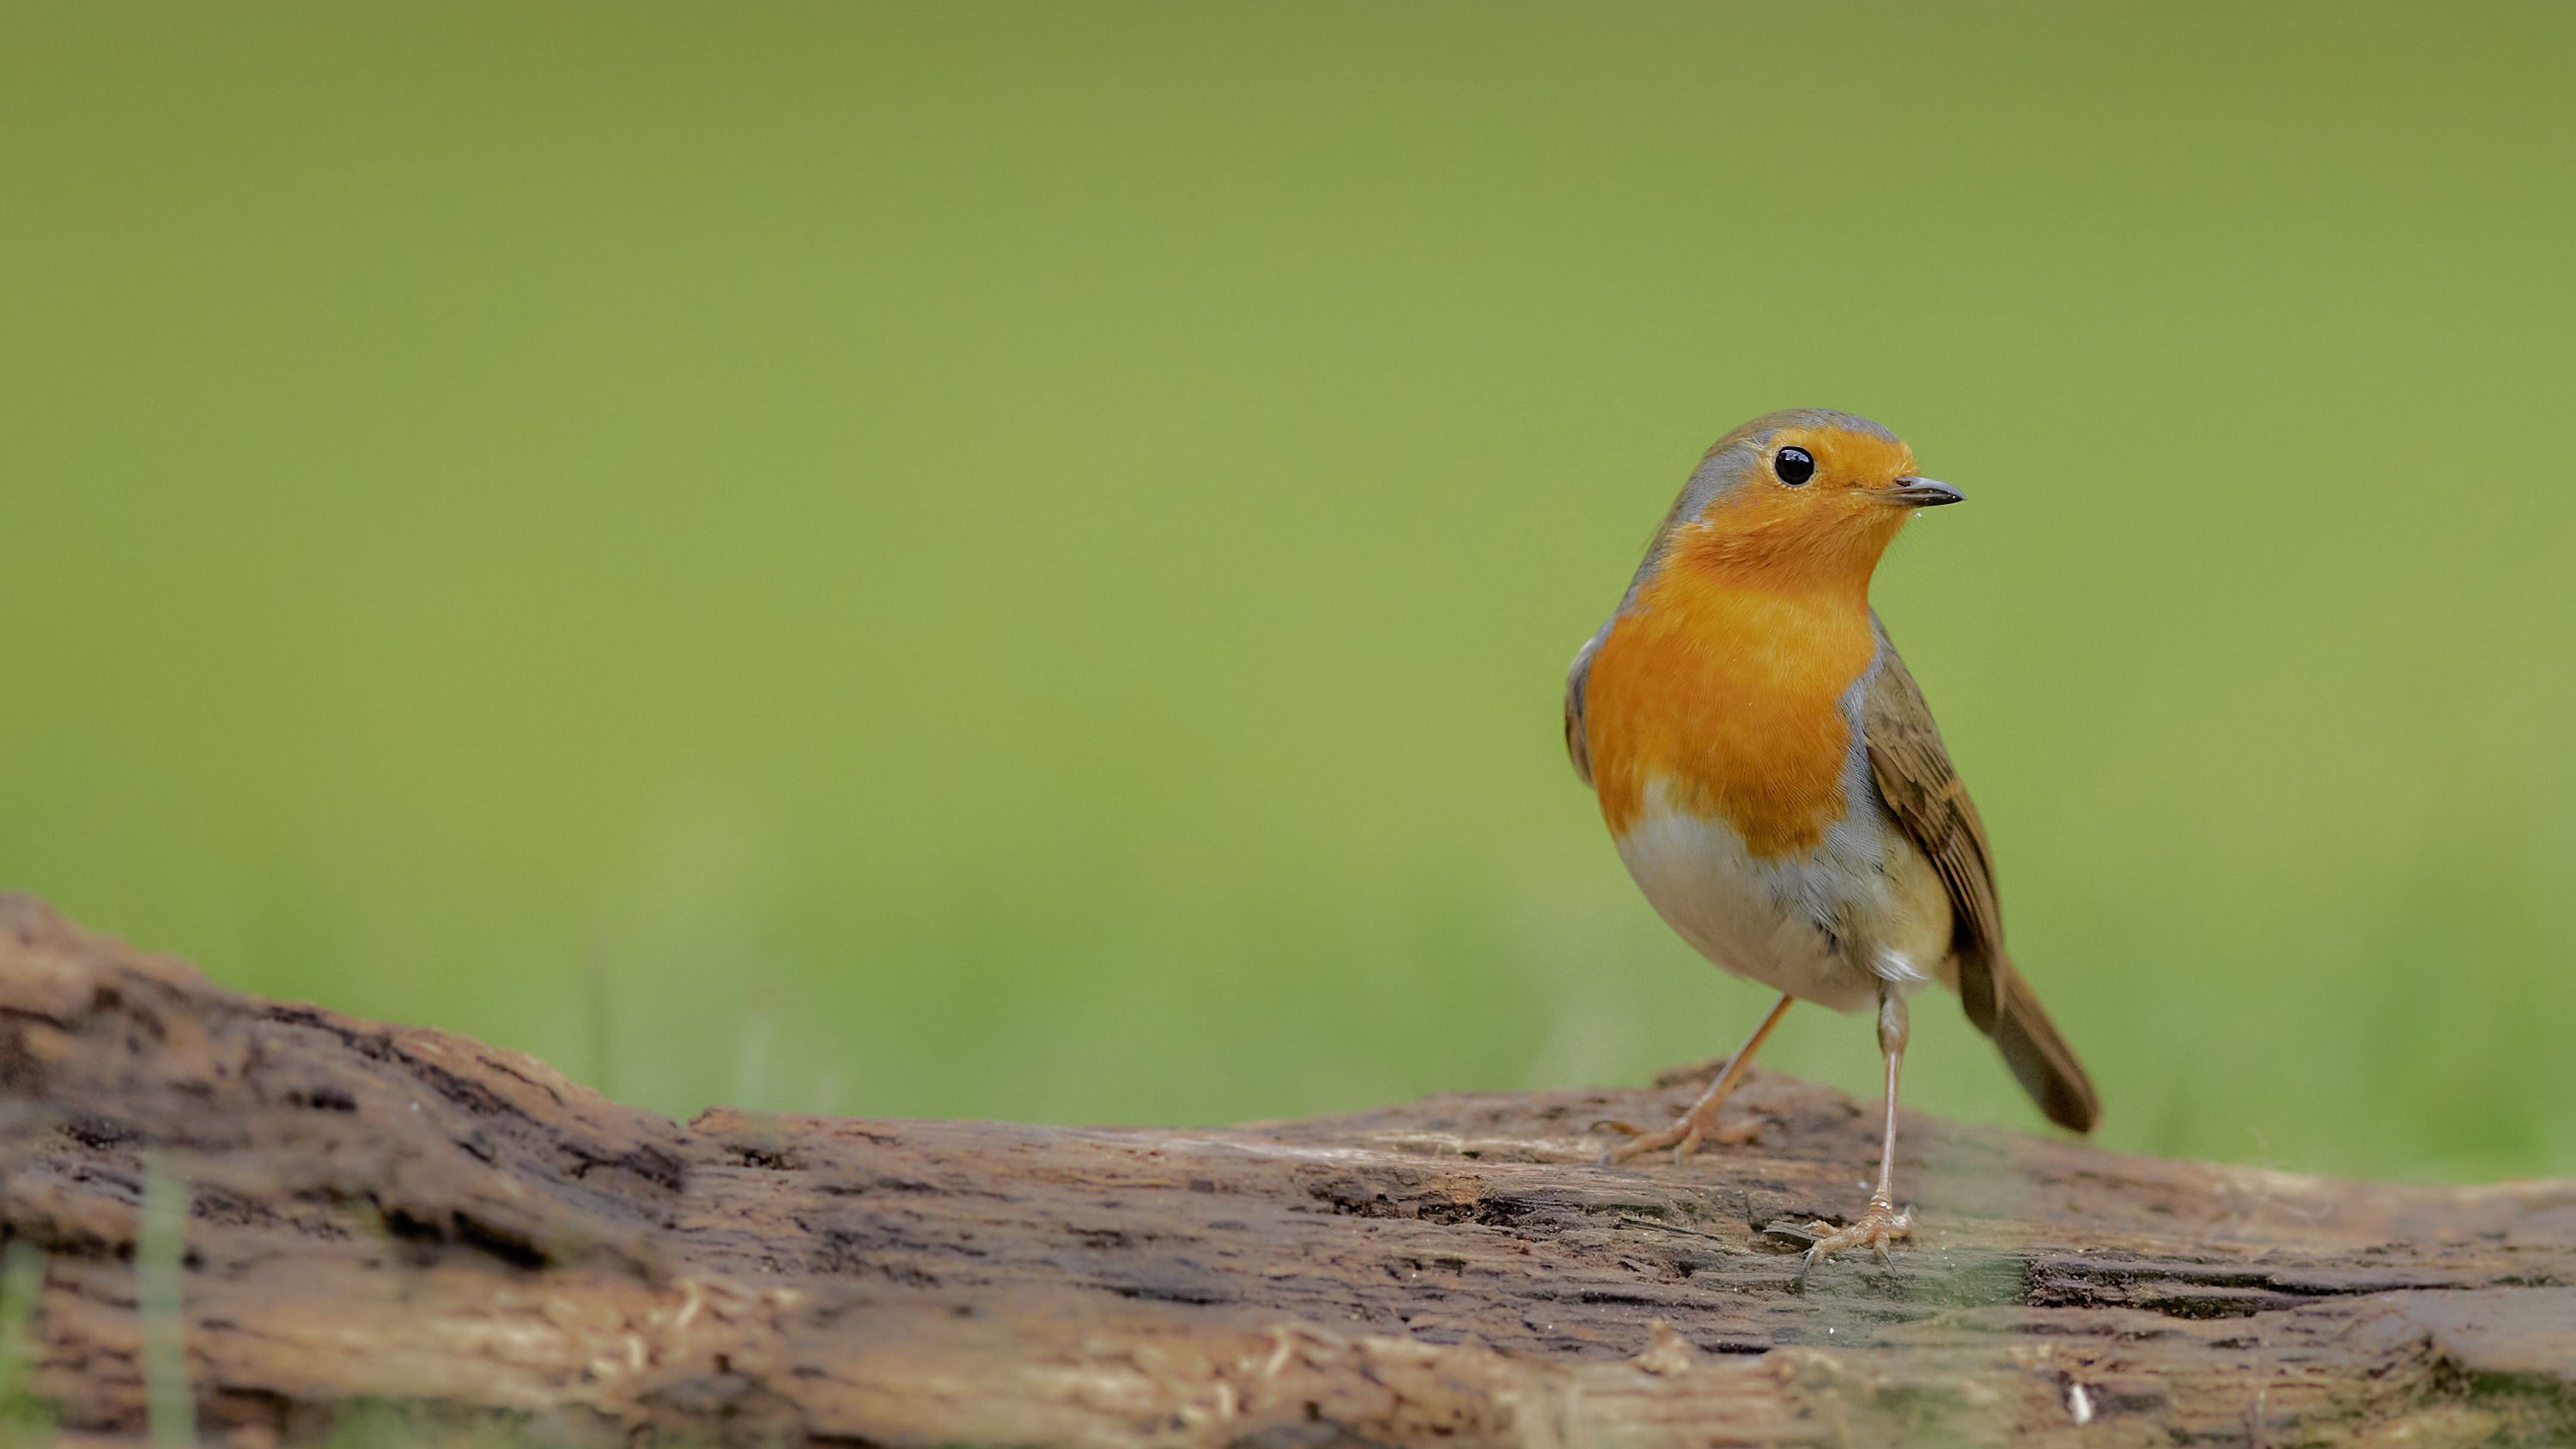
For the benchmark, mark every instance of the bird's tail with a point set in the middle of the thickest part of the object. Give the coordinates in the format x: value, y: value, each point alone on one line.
x: 2040, y: 1059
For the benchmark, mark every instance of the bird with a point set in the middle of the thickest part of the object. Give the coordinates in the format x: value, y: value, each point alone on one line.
x: 1775, y: 784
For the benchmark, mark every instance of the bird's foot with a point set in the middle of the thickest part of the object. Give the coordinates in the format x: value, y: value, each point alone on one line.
x: 1683, y: 1135
x: 1880, y: 1225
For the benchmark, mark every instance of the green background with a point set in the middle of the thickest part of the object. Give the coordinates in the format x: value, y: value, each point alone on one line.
x: 1018, y: 560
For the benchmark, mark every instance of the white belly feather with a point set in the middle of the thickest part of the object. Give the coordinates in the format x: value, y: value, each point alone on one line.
x: 1864, y: 908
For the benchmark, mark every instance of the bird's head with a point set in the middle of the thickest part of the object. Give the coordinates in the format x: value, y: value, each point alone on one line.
x: 1803, y: 496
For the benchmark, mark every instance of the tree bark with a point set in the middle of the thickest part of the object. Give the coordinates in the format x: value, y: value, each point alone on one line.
x: 384, y: 1213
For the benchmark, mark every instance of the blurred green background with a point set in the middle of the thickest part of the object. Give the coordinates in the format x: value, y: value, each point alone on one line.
x: 1018, y: 560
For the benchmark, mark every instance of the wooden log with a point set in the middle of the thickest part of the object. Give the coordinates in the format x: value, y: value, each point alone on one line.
x: 394, y: 1215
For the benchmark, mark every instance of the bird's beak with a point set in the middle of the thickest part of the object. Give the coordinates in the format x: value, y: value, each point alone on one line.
x: 1916, y: 492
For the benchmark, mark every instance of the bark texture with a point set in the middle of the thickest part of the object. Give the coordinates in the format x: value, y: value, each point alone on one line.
x: 382, y: 1213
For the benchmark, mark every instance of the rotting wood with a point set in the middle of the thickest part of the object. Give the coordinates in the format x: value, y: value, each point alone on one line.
x: 390, y: 1213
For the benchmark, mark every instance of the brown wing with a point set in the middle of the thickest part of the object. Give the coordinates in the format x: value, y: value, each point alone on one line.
x: 1914, y: 777
x: 1578, y: 744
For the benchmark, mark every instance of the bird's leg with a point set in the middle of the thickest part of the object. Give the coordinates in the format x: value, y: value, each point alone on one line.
x: 1686, y: 1131
x: 1880, y: 1223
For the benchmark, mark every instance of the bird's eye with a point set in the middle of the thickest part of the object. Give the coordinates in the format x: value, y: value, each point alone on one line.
x: 1793, y: 465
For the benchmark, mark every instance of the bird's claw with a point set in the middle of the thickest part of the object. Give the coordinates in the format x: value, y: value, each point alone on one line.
x: 1739, y: 1133
x: 1683, y: 1135
x: 1879, y: 1226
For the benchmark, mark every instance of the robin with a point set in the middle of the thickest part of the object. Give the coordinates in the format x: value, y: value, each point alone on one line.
x: 1774, y: 781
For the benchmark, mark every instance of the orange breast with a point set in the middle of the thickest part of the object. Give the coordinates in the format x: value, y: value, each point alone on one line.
x: 1730, y: 692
